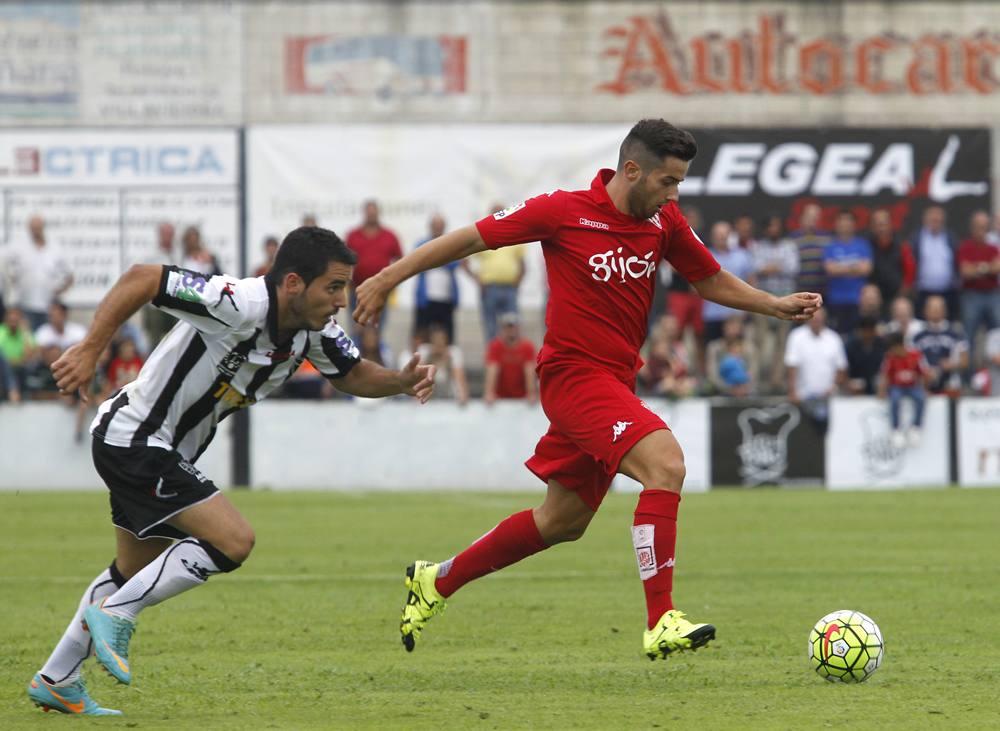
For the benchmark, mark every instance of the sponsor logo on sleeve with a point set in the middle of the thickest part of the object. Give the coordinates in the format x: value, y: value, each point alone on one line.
x: 500, y: 215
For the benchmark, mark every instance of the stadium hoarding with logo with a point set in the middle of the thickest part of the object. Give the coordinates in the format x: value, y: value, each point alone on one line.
x: 978, y: 442
x: 866, y: 458
x: 762, y: 171
x: 102, y: 194
x: 765, y: 443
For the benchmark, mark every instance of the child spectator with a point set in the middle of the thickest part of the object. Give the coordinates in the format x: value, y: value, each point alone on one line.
x: 124, y: 367
x: 904, y: 372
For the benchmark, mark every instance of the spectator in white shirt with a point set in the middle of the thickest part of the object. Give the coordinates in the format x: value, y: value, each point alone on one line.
x: 59, y: 332
x: 817, y: 363
x: 39, y: 275
x: 935, y: 251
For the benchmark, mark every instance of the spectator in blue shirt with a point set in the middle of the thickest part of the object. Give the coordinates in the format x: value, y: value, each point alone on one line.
x: 734, y: 260
x: 847, y: 260
x: 943, y: 346
x: 437, y: 290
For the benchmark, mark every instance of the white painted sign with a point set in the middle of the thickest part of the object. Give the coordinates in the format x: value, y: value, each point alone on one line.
x: 978, y: 425
x: 860, y: 454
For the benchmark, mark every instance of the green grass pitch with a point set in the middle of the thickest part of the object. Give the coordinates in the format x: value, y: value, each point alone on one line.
x: 305, y: 635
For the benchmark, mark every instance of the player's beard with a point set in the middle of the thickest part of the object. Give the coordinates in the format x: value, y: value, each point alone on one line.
x: 639, y: 204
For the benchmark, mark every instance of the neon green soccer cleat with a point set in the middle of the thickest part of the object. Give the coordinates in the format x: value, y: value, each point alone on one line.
x: 72, y: 698
x: 422, y: 603
x: 111, y: 635
x: 673, y: 632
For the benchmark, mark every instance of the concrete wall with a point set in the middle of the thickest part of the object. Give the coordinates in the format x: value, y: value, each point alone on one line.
x: 716, y: 63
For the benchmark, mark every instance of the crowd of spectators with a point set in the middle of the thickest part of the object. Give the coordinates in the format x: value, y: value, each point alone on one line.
x: 907, y: 313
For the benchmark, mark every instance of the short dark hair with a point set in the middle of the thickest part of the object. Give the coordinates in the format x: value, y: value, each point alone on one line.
x: 652, y: 140
x: 895, y: 339
x: 308, y: 251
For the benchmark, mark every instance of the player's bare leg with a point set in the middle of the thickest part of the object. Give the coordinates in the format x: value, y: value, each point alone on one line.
x: 561, y: 517
x: 58, y: 685
x: 184, y: 565
x: 657, y: 462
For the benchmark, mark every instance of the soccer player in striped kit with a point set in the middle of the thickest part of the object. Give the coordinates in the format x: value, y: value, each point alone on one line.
x: 236, y: 342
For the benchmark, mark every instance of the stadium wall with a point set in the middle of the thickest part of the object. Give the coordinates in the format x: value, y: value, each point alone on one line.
x: 833, y: 63
x: 394, y: 444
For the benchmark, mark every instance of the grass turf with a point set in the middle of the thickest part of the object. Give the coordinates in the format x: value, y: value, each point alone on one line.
x: 305, y: 635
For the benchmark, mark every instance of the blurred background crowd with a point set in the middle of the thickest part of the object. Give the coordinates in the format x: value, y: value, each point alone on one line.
x: 907, y: 313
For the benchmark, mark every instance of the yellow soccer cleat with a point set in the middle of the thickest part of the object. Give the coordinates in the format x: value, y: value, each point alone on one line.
x: 672, y: 633
x: 422, y: 602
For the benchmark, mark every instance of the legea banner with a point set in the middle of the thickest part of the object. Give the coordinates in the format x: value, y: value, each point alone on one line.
x: 462, y: 170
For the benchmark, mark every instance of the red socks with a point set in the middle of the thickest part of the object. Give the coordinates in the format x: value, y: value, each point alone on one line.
x: 514, y: 538
x: 654, y: 535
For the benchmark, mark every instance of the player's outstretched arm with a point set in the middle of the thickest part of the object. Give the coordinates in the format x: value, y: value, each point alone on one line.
x: 729, y: 290
x: 370, y: 380
x: 74, y: 369
x: 372, y: 293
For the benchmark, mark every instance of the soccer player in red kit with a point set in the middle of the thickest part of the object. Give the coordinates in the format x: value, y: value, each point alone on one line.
x: 602, y: 247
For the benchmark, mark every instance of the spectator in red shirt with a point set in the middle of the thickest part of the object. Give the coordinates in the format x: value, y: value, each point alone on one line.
x: 978, y: 265
x: 904, y: 372
x: 124, y: 367
x: 376, y: 246
x: 510, y: 364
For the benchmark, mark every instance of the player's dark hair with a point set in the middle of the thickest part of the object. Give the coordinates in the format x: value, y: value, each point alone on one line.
x: 895, y: 339
x: 308, y: 251
x: 652, y: 140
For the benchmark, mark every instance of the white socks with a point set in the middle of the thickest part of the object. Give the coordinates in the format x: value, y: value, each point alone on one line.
x: 183, y: 566
x: 63, y: 666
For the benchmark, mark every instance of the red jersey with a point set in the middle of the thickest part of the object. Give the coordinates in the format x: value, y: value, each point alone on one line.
x: 511, y: 360
x: 904, y: 370
x: 978, y: 252
x: 601, y: 268
x: 121, y: 372
x: 375, y: 253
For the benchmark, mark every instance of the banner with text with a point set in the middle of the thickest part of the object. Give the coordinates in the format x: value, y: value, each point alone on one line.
x: 102, y: 195
x: 462, y: 170
x: 780, y: 171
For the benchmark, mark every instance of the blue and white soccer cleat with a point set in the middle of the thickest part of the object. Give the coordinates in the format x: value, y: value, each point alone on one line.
x: 72, y: 698
x: 111, y: 635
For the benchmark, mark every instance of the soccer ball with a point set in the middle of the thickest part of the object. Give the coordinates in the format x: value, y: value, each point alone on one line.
x: 846, y: 646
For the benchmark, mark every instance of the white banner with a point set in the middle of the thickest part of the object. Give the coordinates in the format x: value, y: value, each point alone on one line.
x: 415, y: 171
x: 978, y: 425
x: 689, y: 422
x: 61, y: 463
x: 397, y: 445
x: 860, y: 454
x: 102, y: 195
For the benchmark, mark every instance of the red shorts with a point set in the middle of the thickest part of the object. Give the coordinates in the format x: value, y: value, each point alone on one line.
x: 595, y: 419
x: 686, y: 307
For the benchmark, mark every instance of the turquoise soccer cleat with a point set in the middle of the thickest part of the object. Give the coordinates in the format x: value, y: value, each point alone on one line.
x: 72, y: 698
x: 111, y: 635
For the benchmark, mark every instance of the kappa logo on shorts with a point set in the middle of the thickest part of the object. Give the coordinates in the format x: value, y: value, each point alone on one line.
x: 618, y: 429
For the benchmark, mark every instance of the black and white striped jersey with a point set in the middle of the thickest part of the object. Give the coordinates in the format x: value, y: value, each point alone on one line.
x: 223, y: 355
